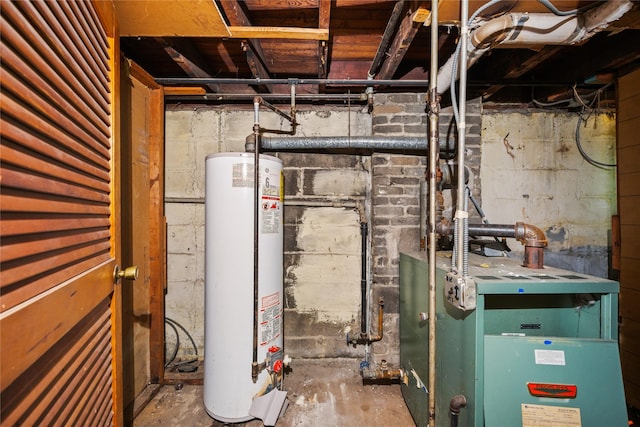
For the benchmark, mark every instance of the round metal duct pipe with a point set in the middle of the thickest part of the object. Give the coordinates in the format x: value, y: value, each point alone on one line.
x: 353, y: 142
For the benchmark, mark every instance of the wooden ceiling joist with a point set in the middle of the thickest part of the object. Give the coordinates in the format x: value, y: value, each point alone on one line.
x: 253, y: 47
x: 402, y: 41
x: 187, y: 57
x: 324, y: 19
x: 243, y: 32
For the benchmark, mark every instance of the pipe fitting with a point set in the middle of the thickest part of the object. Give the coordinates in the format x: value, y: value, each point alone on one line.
x: 250, y: 143
x: 530, y: 235
x: 457, y: 402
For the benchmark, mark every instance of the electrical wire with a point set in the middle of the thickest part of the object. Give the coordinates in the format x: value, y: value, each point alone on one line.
x: 581, y: 118
x: 175, y: 325
x: 557, y: 12
x: 581, y: 149
x: 175, y: 350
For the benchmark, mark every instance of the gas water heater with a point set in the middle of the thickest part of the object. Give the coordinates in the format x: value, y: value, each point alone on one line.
x: 243, y: 329
x: 539, y: 349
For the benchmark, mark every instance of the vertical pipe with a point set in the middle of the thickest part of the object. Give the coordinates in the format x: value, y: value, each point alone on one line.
x: 364, y: 306
x: 433, y: 164
x: 256, y: 231
x: 461, y: 214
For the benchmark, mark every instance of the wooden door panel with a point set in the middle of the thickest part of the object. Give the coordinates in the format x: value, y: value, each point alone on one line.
x: 78, y: 367
x: 30, y: 331
x: 58, y: 214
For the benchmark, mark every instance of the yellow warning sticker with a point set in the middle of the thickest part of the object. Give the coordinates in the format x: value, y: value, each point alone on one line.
x: 550, y: 416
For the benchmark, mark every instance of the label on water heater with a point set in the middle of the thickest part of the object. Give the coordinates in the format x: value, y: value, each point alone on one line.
x: 271, y: 202
x: 270, y: 318
x: 242, y: 175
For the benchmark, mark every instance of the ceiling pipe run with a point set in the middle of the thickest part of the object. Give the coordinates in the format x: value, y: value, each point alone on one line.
x: 527, y: 29
x: 194, y: 81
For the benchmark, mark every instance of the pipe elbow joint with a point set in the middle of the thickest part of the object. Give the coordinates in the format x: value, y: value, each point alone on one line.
x: 530, y: 235
x: 457, y: 402
x: 444, y: 227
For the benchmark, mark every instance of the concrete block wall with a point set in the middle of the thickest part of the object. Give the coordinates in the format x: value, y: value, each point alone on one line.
x: 545, y: 182
x: 322, y: 224
x: 533, y: 172
x: 325, y: 202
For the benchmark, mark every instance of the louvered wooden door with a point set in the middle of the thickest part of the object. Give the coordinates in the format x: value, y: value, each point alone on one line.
x: 57, y: 226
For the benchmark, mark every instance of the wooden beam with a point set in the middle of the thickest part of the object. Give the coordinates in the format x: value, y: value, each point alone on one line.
x: 324, y: 19
x: 190, y: 60
x: 182, y: 55
x: 242, y: 32
x: 184, y: 18
x: 256, y: 64
x: 528, y: 65
x: 253, y: 47
x: 171, y: 90
x: 404, y: 37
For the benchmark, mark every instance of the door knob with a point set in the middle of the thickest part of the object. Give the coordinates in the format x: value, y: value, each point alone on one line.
x: 129, y: 273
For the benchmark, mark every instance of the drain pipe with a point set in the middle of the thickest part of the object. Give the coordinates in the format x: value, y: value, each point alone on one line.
x: 364, y: 307
x: 434, y: 110
x: 526, y: 29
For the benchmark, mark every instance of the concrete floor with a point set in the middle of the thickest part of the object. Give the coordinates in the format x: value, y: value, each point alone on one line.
x: 320, y: 392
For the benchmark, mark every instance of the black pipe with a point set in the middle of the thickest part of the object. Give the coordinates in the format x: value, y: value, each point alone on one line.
x: 532, y: 237
x: 255, y: 369
x: 492, y: 230
x: 363, y: 280
x: 195, y: 81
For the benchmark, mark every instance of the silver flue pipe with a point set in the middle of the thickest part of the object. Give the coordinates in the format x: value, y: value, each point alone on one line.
x: 354, y: 142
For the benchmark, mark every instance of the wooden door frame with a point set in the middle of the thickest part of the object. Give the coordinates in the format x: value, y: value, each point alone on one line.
x: 157, y: 222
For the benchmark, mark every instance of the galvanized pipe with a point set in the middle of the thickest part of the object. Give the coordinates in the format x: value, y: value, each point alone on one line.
x: 434, y: 148
x: 354, y: 142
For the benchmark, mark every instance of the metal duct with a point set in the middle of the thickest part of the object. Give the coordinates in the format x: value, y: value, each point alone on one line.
x: 353, y: 142
x: 526, y: 29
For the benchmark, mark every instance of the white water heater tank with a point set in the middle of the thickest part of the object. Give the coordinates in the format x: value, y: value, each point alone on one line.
x: 229, y: 389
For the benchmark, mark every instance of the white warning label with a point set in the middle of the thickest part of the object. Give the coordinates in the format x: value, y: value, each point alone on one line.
x: 270, y: 318
x: 242, y: 175
x: 550, y: 416
x: 271, y: 214
x: 270, y: 201
x: 549, y: 357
